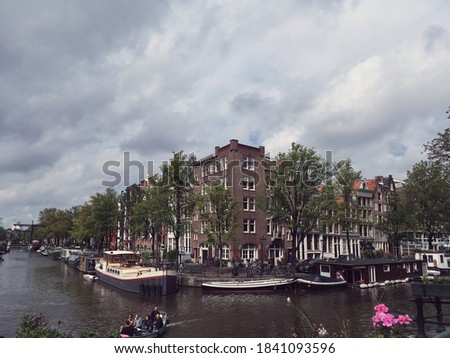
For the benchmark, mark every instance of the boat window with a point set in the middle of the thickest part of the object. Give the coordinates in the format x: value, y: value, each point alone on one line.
x: 386, y: 268
x: 325, y: 270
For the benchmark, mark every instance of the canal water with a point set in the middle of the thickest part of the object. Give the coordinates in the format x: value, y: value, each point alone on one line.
x: 30, y: 282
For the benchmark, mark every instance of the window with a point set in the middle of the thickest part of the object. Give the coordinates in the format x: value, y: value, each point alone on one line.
x: 248, y: 252
x: 224, y: 163
x: 249, y: 204
x: 275, y: 251
x: 225, y: 252
x: 386, y: 268
x: 269, y: 226
x: 203, y: 227
x: 249, y: 226
x: 248, y: 183
x: 249, y: 163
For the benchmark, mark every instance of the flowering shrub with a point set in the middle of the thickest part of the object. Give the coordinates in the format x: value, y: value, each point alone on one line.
x: 34, y: 325
x: 386, y: 325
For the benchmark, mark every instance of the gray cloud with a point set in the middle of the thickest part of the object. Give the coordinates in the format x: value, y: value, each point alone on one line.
x: 83, y: 82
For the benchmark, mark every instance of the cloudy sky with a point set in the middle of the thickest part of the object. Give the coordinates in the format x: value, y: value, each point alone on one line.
x: 83, y: 82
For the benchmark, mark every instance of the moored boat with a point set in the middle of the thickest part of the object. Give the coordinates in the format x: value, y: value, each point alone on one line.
x: 43, y: 250
x: 122, y: 269
x: 72, y: 257
x: 268, y: 285
x: 321, y: 282
x: 54, y: 252
x: 87, y: 261
x: 142, y: 333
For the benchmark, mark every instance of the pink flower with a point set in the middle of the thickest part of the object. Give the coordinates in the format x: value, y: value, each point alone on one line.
x: 403, y: 319
x: 385, y: 319
x: 388, y: 320
x: 381, y: 308
x: 377, y: 319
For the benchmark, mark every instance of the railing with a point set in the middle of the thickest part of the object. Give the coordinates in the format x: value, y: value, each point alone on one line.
x: 437, y: 295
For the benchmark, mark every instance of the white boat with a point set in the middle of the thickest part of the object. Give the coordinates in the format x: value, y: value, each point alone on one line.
x: 437, y: 261
x: 122, y: 269
x: 268, y: 285
x: 89, y: 277
x: 321, y: 282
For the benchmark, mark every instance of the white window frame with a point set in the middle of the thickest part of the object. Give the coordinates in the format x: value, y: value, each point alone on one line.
x: 249, y: 226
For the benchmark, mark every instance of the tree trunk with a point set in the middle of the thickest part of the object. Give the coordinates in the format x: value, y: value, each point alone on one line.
x: 348, y: 244
x: 294, y: 246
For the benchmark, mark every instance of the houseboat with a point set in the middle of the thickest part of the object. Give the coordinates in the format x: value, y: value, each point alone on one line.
x: 369, y: 271
x: 123, y: 269
x: 87, y: 262
x: 67, y: 251
x: 436, y: 261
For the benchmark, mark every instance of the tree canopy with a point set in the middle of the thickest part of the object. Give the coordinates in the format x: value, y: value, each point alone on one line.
x: 220, y: 212
x: 293, y: 198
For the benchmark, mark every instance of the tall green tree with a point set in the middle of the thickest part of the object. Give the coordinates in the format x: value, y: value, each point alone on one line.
x: 293, y: 181
x: 104, y: 216
x: 178, y: 178
x: 220, y: 212
x: 427, y: 193
x: 396, y: 222
x: 438, y: 150
x: 129, y: 221
x: 55, y: 224
x: 345, y: 178
x: 82, y: 223
x: 153, y: 214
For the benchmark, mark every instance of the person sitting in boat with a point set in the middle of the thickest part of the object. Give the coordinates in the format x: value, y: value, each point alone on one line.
x: 127, y: 330
x: 131, y: 319
x: 159, y: 322
x: 147, y: 323
x: 153, y: 314
x: 138, y: 321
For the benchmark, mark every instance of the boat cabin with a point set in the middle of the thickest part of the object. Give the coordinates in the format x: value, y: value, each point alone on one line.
x: 122, y: 258
x: 436, y: 260
x: 370, y: 270
x: 87, y: 262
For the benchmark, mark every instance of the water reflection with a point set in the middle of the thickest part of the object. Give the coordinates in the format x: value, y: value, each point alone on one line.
x: 32, y: 282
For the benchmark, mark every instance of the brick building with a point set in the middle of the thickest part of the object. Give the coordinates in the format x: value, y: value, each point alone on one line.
x: 240, y: 168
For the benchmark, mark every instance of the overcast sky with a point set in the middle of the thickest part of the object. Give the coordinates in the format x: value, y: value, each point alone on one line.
x: 83, y: 82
